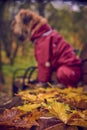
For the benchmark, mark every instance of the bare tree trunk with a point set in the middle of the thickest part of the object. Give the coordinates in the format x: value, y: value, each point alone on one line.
x: 2, y: 80
x: 1, y: 73
x: 12, y: 57
x: 41, y: 8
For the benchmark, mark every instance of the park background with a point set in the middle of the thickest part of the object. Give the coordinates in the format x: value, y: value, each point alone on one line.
x: 68, y: 18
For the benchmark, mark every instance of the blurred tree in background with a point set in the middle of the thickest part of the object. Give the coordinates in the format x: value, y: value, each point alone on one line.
x: 71, y: 24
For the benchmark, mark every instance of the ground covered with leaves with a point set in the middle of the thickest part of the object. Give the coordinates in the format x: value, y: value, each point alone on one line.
x: 67, y: 106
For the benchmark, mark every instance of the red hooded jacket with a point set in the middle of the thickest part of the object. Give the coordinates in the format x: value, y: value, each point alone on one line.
x: 52, y: 51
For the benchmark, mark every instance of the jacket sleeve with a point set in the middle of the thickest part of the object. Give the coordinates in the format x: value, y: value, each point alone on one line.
x: 44, y: 72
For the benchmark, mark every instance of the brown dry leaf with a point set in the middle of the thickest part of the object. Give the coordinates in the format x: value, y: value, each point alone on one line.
x: 17, y: 118
x: 78, y: 118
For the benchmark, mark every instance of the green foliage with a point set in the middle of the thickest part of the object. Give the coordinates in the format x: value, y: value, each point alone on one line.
x: 21, y: 61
